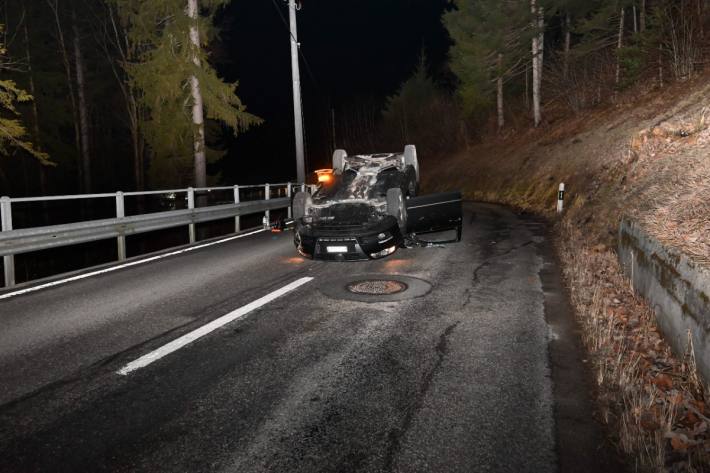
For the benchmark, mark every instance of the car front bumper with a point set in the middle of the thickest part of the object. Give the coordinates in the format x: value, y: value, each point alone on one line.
x: 348, y: 242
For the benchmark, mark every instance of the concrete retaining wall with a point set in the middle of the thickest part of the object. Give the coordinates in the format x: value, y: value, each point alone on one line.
x: 677, y: 289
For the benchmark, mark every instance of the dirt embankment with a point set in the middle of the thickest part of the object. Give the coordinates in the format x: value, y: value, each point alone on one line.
x: 648, y: 156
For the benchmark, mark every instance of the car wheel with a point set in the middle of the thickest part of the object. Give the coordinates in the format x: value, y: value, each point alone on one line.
x: 410, y: 158
x: 301, y: 202
x: 397, y: 207
x: 339, y: 156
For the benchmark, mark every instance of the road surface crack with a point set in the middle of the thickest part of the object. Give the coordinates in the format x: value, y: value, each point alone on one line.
x: 486, y: 263
x: 396, y: 434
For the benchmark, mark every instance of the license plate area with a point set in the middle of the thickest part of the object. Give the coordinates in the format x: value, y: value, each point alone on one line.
x: 337, y: 249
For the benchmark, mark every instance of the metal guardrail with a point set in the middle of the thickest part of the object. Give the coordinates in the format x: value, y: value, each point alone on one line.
x: 13, y: 242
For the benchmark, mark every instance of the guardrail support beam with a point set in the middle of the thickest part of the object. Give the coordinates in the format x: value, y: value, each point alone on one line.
x: 191, y: 206
x: 120, y: 213
x: 289, y: 191
x: 237, y: 219
x: 267, y: 196
x: 9, y: 260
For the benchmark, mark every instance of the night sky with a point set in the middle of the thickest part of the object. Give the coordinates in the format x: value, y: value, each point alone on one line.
x: 357, y: 51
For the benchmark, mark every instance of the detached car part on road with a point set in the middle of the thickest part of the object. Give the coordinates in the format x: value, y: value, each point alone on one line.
x: 367, y: 206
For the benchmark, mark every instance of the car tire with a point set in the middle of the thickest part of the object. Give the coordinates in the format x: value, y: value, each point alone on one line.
x: 339, y: 156
x: 301, y: 202
x: 397, y: 207
x: 410, y: 158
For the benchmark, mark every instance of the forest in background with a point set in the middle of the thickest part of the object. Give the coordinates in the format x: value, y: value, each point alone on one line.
x: 101, y: 94
x: 520, y: 64
x: 108, y: 93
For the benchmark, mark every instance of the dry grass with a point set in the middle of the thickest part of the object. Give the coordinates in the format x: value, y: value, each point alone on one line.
x: 680, y: 208
x: 654, y: 402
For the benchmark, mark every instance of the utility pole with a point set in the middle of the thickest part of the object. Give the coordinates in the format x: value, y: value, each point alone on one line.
x: 297, y: 112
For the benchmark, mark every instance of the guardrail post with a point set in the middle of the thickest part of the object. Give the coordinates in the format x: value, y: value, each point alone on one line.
x: 120, y: 213
x: 191, y: 206
x: 9, y: 260
x: 303, y: 188
x: 267, y: 196
x: 289, y: 191
x: 237, y: 219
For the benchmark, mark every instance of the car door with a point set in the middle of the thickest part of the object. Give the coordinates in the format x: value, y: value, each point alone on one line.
x: 435, y: 213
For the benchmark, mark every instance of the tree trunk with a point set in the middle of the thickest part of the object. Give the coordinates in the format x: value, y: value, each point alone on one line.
x: 198, y: 112
x: 701, y: 17
x: 541, y: 43
x: 527, y: 86
x: 83, y: 108
x: 537, y: 58
x: 619, y: 45
x: 636, y: 26
x: 35, y: 112
x: 660, y: 66
x: 138, y: 154
x: 642, y: 16
x: 501, y: 110
x: 121, y: 43
x: 54, y: 5
x: 568, y: 44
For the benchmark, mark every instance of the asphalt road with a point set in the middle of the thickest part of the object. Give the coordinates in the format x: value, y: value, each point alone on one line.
x: 480, y: 373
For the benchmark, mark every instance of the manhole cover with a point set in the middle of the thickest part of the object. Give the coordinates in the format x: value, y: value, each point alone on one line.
x: 377, y: 287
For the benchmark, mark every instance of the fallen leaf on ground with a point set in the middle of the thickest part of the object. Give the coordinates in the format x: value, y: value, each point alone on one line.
x: 663, y: 381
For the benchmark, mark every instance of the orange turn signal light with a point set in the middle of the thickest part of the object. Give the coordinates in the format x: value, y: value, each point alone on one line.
x: 325, y: 176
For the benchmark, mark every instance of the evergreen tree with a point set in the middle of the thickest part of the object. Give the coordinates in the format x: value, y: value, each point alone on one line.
x: 173, y: 76
x: 491, y: 47
x: 419, y: 112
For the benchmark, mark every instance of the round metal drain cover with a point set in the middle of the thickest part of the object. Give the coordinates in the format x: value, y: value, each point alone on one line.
x: 377, y: 287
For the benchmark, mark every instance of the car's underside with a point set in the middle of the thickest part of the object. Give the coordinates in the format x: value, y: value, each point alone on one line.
x: 360, y: 211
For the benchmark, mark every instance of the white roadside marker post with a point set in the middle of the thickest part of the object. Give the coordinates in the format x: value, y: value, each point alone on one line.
x: 561, y: 198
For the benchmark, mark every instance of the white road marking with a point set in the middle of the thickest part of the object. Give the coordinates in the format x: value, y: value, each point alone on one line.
x: 126, y: 265
x: 188, y: 338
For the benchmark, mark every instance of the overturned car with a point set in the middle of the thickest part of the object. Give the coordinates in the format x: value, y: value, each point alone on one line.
x: 367, y: 206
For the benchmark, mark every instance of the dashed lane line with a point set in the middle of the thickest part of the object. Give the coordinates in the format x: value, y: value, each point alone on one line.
x: 196, y: 334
